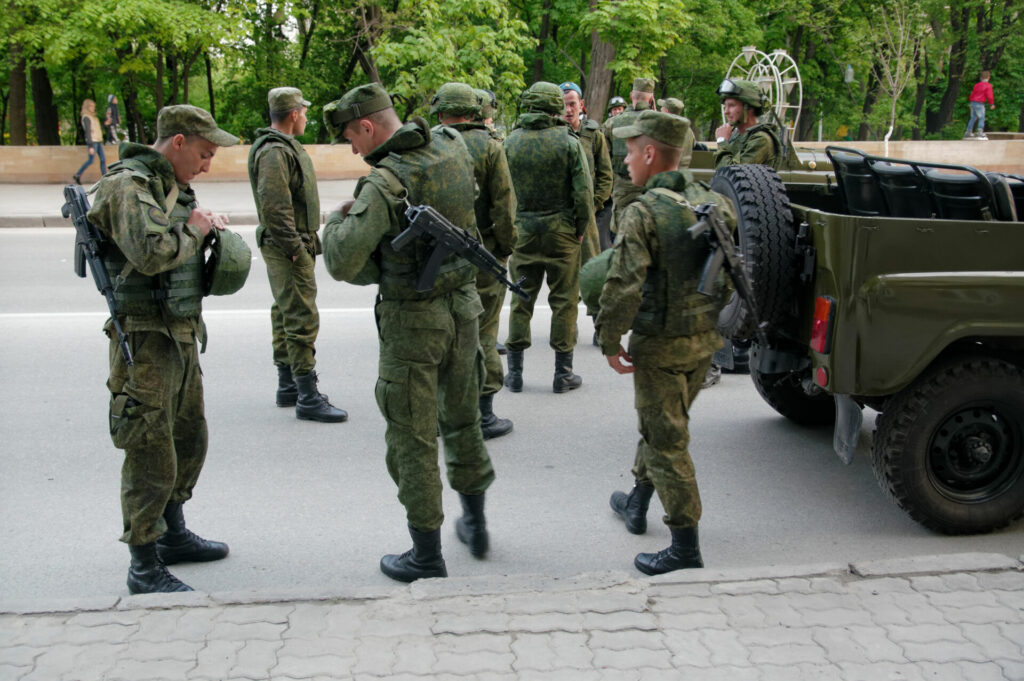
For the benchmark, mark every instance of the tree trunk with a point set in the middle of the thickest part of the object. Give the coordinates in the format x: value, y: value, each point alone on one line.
x: 599, y: 82
x: 808, y: 120
x: 47, y: 127
x: 172, y: 68
x: 921, y: 93
x: 158, y: 93
x: 864, y: 131
x: 17, y: 106
x: 542, y: 38
x: 307, y: 34
x: 209, y: 82
x: 5, y: 96
x: 960, y: 23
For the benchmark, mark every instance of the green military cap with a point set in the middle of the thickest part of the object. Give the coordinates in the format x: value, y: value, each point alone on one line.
x: 673, y: 105
x: 183, y: 119
x: 283, y: 99
x: 643, y: 85
x: 357, y: 103
x: 488, y: 103
x: 666, y: 128
x: 457, y: 99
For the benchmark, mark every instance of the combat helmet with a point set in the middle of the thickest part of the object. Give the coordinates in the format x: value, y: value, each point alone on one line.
x: 227, y: 268
x: 616, y: 101
x: 488, y: 103
x: 747, y: 91
x: 542, y: 97
x: 456, y: 99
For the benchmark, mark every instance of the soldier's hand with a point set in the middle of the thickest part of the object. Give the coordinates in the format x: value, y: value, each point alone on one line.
x: 344, y: 207
x: 723, y: 131
x: 206, y: 220
x: 621, y: 362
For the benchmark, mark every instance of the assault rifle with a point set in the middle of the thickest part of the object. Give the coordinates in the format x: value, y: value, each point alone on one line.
x: 447, y: 239
x: 712, y: 226
x: 88, y: 243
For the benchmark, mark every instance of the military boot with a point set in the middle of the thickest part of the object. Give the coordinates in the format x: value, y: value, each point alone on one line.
x: 633, y: 506
x: 423, y: 560
x: 287, y: 393
x: 148, y: 574
x: 312, y: 405
x: 565, y: 379
x: 471, y: 528
x: 490, y: 424
x: 684, y: 552
x: 180, y: 545
x: 514, y: 376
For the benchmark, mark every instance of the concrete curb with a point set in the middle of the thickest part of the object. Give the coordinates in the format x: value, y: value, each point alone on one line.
x: 730, y: 581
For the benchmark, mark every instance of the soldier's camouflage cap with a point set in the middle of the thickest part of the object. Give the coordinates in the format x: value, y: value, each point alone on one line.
x: 283, y: 99
x: 488, y: 103
x: 183, y: 119
x: 356, y: 103
x: 666, y: 128
x: 673, y: 105
x: 456, y: 99
x: 543, y: 97
x: 643, y: 85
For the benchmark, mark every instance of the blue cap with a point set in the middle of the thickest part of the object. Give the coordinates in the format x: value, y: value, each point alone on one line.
x: 569, y: 85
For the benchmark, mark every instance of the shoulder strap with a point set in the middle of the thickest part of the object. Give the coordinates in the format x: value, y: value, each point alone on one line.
x: 394, y: 184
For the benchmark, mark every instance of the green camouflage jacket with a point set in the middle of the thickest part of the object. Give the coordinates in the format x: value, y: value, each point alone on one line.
x: 496, y: 203
x: 597, y: 149
x: 759, y: 144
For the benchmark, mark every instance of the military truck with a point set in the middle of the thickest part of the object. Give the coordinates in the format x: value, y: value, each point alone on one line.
x: 897, y: 286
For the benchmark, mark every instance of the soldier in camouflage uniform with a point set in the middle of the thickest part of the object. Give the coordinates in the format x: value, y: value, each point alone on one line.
x: 743, y: 139
x: 651, y: 288
x: 457, y: 105
x: 431, y: 365
x: 625, y: 192
x: 488, y: 108
x: 284, y: 188
x: 616, y: 105
x: 554, y: 205
x: 598, y: 159
x: 157, y: 234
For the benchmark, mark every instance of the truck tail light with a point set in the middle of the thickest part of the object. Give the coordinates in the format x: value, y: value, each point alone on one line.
x: 821, y: 330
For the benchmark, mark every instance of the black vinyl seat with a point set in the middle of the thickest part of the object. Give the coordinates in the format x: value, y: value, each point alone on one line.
x: 904, y: 188
x: 1015, y: 183
x: 1003, y: 199
x: 857, y: 184
x: 961, y: 195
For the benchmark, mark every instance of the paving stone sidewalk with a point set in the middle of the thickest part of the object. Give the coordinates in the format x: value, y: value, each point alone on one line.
x: 948, y: 617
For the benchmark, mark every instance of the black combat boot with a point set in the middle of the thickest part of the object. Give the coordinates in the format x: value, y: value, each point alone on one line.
x: 683, y: 553
x: 287, y: 393
x: 490, y: 424
x: 471, y: 528
x: 423, y: 560
x: 565, y: 379
x: 180, y: 545
x: 514, y: 376
x: 312, y: 405
x: 148, y: 574
x: 633, y: 506
x: 500, y: 347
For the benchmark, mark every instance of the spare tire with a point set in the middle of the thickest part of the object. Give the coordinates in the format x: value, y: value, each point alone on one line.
x: 767, y: 241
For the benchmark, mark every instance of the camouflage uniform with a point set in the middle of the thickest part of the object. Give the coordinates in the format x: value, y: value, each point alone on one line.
x: 759, y: 144
x: 431, y: 365
x: 284, y: 188
x: 624, y: 191
x: 495, y: 207
x: 651, y: 288
x: 595, y: 147
x: 554, y: 205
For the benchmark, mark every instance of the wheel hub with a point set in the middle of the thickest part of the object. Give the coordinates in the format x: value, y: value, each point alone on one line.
x: 972, y: 455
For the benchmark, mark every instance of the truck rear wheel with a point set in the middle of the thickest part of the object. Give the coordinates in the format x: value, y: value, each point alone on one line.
x: 949, y: 449
x: 785, y: 394
x: 767, y: 240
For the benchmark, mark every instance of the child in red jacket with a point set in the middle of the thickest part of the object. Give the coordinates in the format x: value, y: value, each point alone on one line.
x: 981, y: 94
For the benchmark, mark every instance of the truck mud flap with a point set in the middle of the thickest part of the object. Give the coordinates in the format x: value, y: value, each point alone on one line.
x: 849, y: 418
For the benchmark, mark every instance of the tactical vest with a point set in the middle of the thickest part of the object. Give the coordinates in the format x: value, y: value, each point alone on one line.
x: 438, y: 174
x: 619, y: 149
x: 477, y: 140
x: 306, y: 208
x: 539, y: 163
x: 179, y: 292
x: 670, y: 304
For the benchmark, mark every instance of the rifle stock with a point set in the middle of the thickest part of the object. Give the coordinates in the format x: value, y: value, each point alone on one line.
x: 88, y: 244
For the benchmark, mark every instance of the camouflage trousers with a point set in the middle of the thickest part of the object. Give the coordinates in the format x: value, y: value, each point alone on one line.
x: 591, y: 245
x: 554, y: 255
x: 294, y: 319
x: 492, y: 297
x: 430, y: 373
x: 157, y: 417
x: 664, y: 396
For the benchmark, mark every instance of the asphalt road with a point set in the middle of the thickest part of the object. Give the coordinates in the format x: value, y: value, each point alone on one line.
x: 310, y: 505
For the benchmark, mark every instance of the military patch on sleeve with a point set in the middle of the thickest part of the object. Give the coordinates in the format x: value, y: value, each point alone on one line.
x: 156, y: 215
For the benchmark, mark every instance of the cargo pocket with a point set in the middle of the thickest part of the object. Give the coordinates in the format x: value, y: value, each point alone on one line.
x: 392, y: 393
x: 130, y: 420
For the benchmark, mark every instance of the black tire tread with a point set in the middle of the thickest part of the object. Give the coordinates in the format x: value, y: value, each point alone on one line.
x: 783, y: 393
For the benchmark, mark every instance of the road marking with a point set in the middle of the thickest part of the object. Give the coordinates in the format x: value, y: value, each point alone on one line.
x: 206, y: 313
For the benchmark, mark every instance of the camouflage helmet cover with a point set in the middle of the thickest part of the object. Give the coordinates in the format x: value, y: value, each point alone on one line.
x: 488, y: 103
x: 457, y: 99
x: 747, y: 91
x: 543, y: 97
x: 227, y: 268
